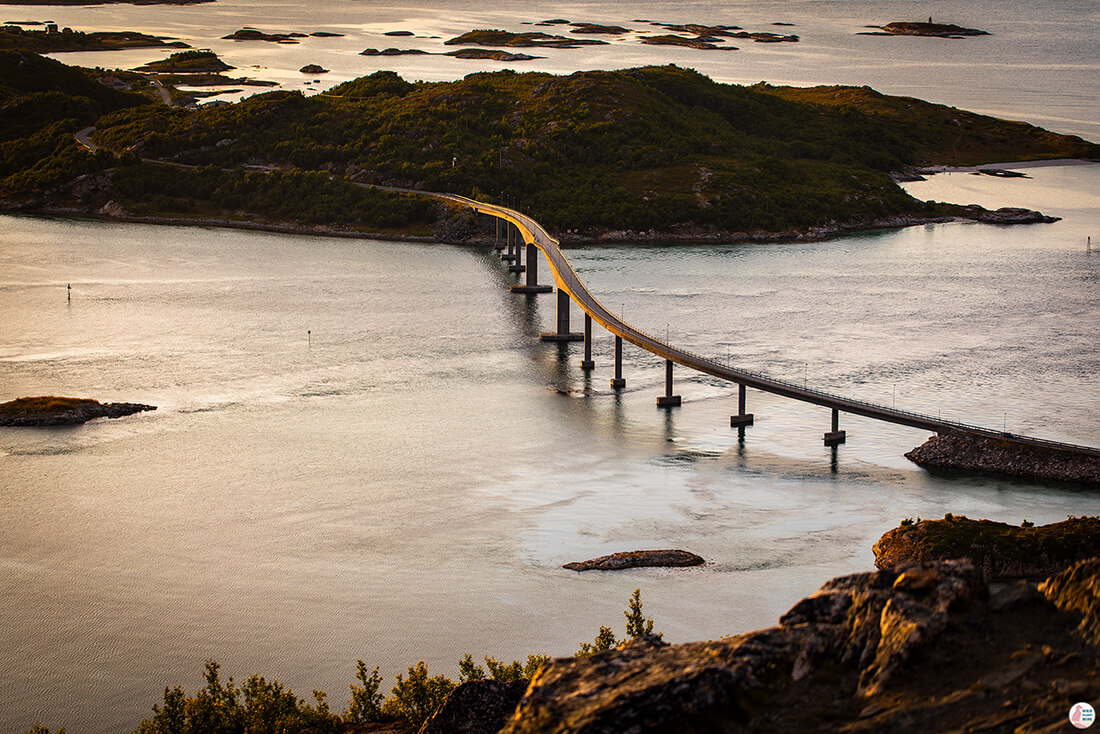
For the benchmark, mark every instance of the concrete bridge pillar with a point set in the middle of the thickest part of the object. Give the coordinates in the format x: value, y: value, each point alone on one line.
x: 562, y: 334
x: 668, y: 400
x: 587, y: 363
x: 617, y: 382
x: 497, y: 244
x: 532, y: 284
x: 742, y: 420
x: 509, y: 254
x: 517, y: 251
x: 835, y: 436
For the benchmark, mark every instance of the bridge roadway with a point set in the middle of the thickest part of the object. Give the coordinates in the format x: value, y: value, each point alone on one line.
x: 568, y: 280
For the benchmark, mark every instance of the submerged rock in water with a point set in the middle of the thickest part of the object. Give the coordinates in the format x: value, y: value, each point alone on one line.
x: 57, y: 411
x: 637, y: 559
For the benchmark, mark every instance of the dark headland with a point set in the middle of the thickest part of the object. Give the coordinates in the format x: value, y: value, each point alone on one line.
x: 956, y: 451
x: 1003, y: 552
x: 638, y: 155
x: 59, y: 411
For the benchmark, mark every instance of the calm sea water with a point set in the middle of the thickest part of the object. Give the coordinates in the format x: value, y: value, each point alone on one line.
x: 362, y: 451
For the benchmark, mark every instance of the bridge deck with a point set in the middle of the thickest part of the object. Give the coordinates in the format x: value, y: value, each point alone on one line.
x: 568, y: 280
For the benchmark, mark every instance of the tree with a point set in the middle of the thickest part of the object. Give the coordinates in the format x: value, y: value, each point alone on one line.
x: 636, y: 626
x: 366, y: 702
x: 416, y: 698
x: 636, y: 623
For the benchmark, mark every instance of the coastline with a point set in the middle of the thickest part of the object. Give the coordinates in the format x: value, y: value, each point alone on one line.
x: 319, y: 230
x: 1008, y: 165
x: 615, y: 237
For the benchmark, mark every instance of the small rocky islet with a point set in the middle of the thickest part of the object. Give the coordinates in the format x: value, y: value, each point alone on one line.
x: 920, y: 28
x: 61, y: 411
x: 252, y: 34
x: 687, y: 35
x: 638, y: 559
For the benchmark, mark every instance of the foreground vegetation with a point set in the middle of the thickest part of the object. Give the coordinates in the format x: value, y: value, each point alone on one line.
x: 260, y: 706
x: 655, y: 149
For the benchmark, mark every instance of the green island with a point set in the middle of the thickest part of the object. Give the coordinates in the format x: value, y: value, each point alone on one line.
x: 188, y: 62
x: 66, y: 39
x: 658, y: 153
x: 507, y: 39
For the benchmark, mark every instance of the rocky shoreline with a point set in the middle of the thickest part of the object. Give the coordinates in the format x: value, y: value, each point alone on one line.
x: 57, y: 411
x: 960, y: 451
x: 114, y: 212
x: 1003, y: 552
x: 926, y: 647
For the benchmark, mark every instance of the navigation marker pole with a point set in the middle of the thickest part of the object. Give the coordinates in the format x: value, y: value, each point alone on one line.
x: 309, y: 337
x: 69, y: 292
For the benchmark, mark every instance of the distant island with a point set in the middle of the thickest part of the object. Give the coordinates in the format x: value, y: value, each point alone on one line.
x: 188, y: 62
x: 52, y: 40
x: 918, y: 28
x: 58, y: 411
x: 533, y: 39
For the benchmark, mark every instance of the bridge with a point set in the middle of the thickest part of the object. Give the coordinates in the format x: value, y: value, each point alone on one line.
x: 524, y: 233
x: 522, y: 229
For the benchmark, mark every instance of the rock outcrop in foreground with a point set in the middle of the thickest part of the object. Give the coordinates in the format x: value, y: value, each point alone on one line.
x: 926, y: 648
x: 959, y: 451
x: 1000, y: 550
x: 56, y: 411
x: 637, y: 559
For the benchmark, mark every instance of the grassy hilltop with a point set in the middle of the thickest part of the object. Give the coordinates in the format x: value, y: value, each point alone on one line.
x: 658, y: 149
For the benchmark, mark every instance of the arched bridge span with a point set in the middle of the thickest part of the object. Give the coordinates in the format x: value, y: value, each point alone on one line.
x: 571, y: 287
